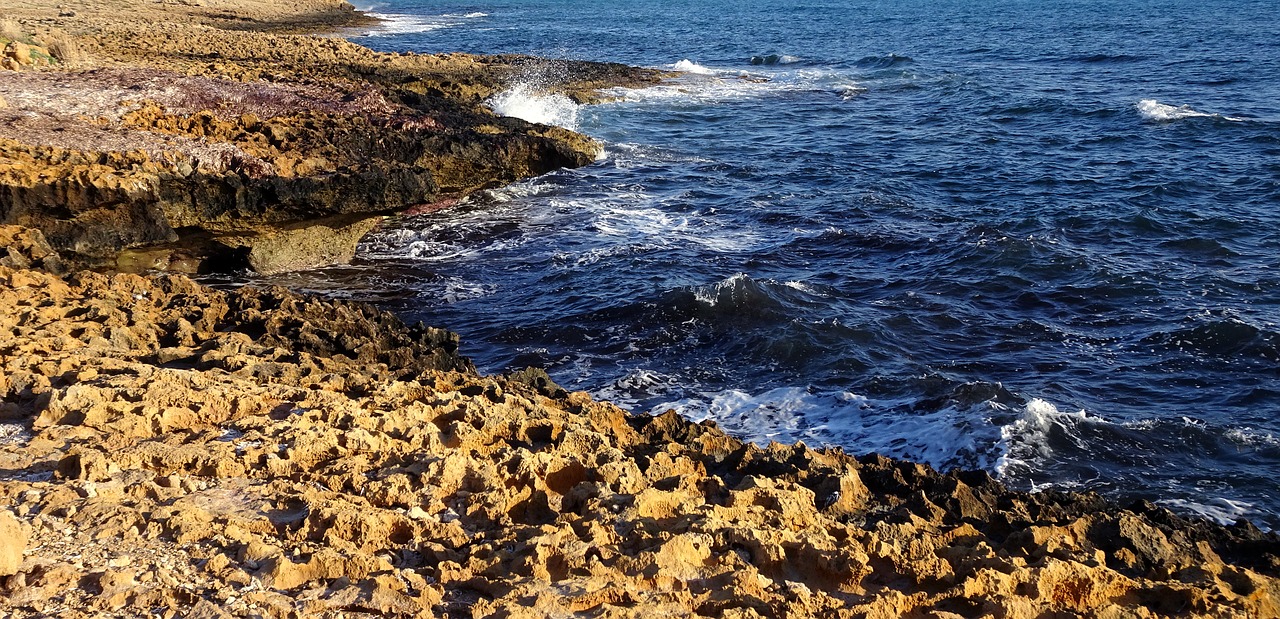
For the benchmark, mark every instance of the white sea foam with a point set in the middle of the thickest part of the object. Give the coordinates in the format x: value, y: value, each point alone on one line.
x: 689, y: 66
x: 528, y: 103
x: 1248, y: 437
x: 702, y: 85
x: 454, y: 289
x: 1151, y: 109
x: 946, y: 438
x: 569, y: 260
x: 628, y: 215
x: 1223, y: 511
x: 1026, y: 441
x: 393, y: 24
x: 398, y: 23
x: 625, y: 155
x: 776, y: 415
x: 515, y: 191
x: 636, y: 385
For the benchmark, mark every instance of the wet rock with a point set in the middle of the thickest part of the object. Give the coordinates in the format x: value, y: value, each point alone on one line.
x: 539, y: 381
x: 266, y: 453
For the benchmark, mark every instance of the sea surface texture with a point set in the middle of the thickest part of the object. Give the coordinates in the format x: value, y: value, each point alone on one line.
x: 1036, y: 238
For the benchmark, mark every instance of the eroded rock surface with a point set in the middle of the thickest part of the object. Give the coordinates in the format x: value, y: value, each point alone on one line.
x: 261, y: 453
x: 204, y: 136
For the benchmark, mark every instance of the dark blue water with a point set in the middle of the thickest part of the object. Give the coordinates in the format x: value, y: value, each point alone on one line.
x: 1036, y: 238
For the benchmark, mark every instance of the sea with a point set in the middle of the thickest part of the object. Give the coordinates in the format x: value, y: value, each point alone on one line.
x: 1036, y: 238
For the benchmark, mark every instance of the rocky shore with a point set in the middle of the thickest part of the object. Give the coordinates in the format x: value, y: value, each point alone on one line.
x: 210, y: 139
x: 171, y: 450
x: 168, y: 450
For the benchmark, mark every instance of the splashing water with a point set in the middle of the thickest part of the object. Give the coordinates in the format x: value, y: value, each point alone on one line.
x: 524, y: 101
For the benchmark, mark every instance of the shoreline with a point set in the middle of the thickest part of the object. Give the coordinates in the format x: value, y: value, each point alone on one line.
x: 265, y: 453
x: 209, y: 141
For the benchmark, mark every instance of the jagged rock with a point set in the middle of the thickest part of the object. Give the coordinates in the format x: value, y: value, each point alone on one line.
x: 345, y: 462
x: 265, y: 453
x: 277, y: 157
x: 24, y: 248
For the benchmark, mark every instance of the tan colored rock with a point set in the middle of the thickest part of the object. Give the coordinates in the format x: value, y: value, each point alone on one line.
x: 303, y: 246
x: 265, y: 452
x: 20, y: 52
x: 13, y: 542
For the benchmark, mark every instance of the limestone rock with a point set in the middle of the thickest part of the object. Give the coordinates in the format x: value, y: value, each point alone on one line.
x: 25, y: 248
x: 276, y: 157
x: 13, y: 542
x: 18, y: 51
x: 203, y: 450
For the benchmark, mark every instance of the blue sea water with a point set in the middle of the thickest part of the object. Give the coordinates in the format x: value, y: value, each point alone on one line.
x: 1038, y: 238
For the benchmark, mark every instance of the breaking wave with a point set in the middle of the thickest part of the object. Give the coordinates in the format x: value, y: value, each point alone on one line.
x: 947, y: 437
x: 395, y: 24
x: 774, y: 59
x: 688, y: 66
x: 529, y: 103
x: 1151, y: 109
x: 701, y: 85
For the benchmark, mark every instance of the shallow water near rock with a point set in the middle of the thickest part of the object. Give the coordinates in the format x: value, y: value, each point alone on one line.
x: 1035, y: 239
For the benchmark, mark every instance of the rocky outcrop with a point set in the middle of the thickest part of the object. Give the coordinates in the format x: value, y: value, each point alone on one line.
x: 261, y: 453
x: 188, y: 144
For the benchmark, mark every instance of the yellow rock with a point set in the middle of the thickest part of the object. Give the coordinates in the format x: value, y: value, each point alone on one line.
x: 13, y: 542
x: 20, y: 52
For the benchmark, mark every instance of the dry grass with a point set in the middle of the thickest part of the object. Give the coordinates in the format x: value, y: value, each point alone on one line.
x: 64, y: 48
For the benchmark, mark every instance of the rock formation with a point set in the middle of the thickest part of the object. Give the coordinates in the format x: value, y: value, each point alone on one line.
x: 262, y: 453
x: 201, y: 143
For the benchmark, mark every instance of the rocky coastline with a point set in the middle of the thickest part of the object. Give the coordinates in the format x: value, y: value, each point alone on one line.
x: 171, y: 450
x: 213, y: 140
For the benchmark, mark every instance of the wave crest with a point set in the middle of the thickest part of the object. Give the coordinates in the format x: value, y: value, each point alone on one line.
x: 887, y: 61
x: 527, y: 103
x: 772, y: 59
x: 1151, y: 109
x: 689, y: 66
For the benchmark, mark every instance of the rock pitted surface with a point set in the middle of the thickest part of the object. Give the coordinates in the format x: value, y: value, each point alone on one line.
x: 261, y: 453
x: 207, y: 140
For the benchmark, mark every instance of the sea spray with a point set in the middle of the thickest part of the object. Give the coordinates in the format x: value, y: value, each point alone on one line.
x: 689, y: 66
x: 528, y: 102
